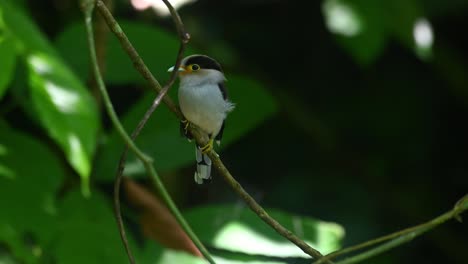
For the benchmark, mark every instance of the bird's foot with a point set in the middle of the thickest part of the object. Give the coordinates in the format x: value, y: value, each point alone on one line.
x: 208, y: 147
x: 186, y: 124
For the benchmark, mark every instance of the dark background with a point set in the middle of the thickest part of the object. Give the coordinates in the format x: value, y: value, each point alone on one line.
x: 367, y: 135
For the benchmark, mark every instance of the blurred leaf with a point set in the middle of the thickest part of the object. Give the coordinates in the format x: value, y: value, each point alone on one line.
x: 63, y: 105
x: 5, y: 258
x: 7, y: 56
x: 171, y: 256
x: 28, y: 207
x: 358, y: 27
x: 412, y: 28
x: 161, y: 137
x: 23, y: 29
x: 236, y: 228
x: 15, y: 244
x: 29, y: 190
x: 156, y: 221
x: 156, y: 47
x: 363, y: 27
x: 66, y: 110
x: 239, y: 236
x: 254, y: 104
x: 87, y: 232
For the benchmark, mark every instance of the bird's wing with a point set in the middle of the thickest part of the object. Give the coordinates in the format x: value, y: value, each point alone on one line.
x: 223, y: 90
x: 219, y: 136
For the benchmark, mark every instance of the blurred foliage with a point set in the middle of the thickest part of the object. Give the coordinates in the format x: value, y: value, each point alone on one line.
x: 347, y: 110
x: 62, y: 104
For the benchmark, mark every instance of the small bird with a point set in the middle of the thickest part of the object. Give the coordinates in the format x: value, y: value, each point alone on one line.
x: 204, y: 102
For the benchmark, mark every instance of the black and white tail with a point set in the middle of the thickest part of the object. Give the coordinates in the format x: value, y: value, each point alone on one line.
x: 203, y: 172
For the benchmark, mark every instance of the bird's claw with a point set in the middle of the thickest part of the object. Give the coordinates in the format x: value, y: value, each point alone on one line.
x: 208, y: 147
x: 186, y: 125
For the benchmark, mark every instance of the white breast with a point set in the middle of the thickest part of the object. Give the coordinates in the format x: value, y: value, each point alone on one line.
x: 202, y: 103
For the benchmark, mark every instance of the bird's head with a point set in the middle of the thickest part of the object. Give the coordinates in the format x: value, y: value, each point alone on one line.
x: 199, y: 68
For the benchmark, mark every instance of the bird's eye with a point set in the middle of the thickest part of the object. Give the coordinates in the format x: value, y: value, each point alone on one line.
x: 195, y: 67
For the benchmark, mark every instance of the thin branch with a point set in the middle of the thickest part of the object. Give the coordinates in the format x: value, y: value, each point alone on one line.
x: 183, y: 35
x: 87, y: 9
x: 397, y: 238
x: 199, y: 137
x: 101, y: 34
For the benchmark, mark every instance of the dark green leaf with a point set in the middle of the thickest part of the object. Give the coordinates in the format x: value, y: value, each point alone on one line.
x: 34, y: 176
x: 87, y: 232
x: 7, y: 56
x: 23, y: 29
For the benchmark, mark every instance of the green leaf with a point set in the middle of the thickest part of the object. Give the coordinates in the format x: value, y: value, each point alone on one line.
x: 24, y: 30
x: 64, y: 107
x: 161, y: 136
x: 87, y: 233
x: 27, y: 194
x: 7, y: 56
x: 236, y: 228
